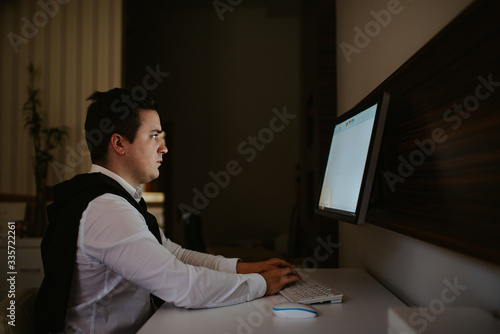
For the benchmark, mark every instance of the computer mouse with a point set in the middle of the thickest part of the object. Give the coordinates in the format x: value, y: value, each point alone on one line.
x: 294, y: 311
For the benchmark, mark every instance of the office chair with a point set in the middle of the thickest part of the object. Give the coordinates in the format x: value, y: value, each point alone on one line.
x: 193, y: 231
x: 24, y: 312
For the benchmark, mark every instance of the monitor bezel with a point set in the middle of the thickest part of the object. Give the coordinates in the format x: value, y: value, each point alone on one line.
x: 359, y: 216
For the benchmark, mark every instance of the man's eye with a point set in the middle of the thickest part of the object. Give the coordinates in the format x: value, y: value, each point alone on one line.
x: 156, y: 136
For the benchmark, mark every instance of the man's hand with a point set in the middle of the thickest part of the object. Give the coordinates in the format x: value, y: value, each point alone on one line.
x: 260, y: 267
x: 276, y: 279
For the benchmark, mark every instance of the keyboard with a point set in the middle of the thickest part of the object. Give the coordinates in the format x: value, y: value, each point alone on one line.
x: 310, y: 291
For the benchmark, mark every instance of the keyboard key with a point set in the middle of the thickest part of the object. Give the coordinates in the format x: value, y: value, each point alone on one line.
x: 310, y: 291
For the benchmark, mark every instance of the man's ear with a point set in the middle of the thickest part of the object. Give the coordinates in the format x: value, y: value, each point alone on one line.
x: 117, y: 143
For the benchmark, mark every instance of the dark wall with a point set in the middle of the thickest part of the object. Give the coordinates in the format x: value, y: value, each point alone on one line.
x: 230, y: 75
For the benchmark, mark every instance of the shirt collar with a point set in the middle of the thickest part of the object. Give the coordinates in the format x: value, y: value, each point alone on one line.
x: 136, y: 193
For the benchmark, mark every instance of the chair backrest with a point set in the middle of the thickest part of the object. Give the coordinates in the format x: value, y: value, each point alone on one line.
x: 21, y: 313
x: 193, y: 232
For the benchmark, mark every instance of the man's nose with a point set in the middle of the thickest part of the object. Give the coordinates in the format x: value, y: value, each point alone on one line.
x: 163, y: 148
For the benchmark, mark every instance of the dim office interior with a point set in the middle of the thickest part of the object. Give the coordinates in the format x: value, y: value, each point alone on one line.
x: 248, y: 91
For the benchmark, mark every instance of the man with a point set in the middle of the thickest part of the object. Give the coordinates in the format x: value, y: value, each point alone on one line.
x: 104, y: 255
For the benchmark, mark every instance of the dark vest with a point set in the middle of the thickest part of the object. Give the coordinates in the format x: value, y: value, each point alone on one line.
x: 59, y: 243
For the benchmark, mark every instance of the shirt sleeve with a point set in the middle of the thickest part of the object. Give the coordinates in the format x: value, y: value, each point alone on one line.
x: 194, y: 258
x: 116, y: 234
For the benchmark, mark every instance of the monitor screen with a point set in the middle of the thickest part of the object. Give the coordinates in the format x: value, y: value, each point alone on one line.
x: 352, y: 160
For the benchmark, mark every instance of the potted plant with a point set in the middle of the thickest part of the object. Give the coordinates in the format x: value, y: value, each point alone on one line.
x: 44, y: 140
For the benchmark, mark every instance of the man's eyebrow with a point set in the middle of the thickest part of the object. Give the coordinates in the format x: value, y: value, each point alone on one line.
x: 156, y: 131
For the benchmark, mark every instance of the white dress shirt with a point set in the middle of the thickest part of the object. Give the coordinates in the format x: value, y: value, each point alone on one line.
x: 119, y: 263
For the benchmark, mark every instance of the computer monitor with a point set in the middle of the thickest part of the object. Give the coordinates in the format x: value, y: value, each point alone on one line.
x: 352, y: 160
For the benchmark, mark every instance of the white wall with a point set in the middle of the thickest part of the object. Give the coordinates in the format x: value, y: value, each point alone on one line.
x: 416, y: 271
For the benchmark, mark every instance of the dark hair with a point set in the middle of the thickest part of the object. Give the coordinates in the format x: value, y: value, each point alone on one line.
x: 114, y: 111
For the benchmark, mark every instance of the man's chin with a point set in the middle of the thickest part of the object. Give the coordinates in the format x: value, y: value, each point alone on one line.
x: 150, y: 178
x: 154, y: 176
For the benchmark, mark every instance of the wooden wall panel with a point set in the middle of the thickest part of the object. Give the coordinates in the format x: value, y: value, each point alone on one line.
x: 439, y: 175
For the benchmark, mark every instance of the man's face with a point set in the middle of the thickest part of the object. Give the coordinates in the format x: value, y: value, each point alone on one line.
x: 144, y: 155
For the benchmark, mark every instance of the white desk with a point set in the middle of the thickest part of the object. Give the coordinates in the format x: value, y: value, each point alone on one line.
x: 363, y: 310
